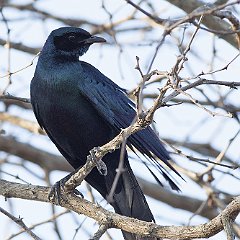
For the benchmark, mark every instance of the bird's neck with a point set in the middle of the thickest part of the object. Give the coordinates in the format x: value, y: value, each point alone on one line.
x: 59, y: 72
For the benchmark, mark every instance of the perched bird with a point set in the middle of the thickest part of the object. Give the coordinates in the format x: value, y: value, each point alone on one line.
x: 80, y: 108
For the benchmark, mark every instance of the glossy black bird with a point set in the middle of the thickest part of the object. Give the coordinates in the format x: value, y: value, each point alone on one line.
x: 80, y: 108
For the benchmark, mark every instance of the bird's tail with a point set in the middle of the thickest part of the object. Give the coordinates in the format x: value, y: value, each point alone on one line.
x: 129, y: 199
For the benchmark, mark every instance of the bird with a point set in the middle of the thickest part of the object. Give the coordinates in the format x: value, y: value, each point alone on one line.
x: 80, y: 108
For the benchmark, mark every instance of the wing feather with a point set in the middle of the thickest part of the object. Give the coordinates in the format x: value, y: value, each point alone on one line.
x: 117, y: 109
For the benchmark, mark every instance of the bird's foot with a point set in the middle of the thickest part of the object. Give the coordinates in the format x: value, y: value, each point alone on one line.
x: 58, y: 193
x: 101, y: 166
x: 55, y: 195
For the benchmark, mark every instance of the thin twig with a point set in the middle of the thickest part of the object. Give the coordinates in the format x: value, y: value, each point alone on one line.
x: 9, y: 74
x: 101, y: 230
x: 8, y: 46
x: 20, y: 222
x: 52, y: 218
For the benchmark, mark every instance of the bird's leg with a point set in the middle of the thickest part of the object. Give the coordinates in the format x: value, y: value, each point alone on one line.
x: 57, y: 190
x: 101, y: 166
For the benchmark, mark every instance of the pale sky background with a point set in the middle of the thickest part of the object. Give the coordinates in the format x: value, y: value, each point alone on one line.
x: 106, y: 58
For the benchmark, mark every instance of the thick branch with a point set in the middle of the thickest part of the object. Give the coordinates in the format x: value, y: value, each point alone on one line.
x: 51, y: 162
x: 44, y: 159
x: 209, y: 21
x: 176, y: 200
x: 68, y: 21
x: 104, y: 217
x: 11, y: 102
x: 20, y: 47
x: 23, y: 123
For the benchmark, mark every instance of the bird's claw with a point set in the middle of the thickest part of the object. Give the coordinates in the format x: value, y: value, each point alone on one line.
x: 101, y: 166
x: 76, y: 192
x: 55, y: 195
x: 58, y: 193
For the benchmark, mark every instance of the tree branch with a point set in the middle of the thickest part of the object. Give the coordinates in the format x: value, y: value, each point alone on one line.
x: 211, y: 22
x: 51, y: 162
x: 104, y: 217
x: 20, y: 222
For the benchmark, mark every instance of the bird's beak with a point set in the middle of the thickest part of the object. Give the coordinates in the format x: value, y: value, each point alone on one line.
x: 94, y: 39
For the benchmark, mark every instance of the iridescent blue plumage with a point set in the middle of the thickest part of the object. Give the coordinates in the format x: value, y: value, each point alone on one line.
x: 80, y: 108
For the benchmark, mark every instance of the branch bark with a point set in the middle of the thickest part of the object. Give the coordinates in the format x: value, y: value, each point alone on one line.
x: 51, y: 162
x: 42, y: 158
x: 209, y: 21
x: 113, y: 220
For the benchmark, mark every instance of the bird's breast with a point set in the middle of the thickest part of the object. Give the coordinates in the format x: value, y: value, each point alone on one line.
x: 70, y: 120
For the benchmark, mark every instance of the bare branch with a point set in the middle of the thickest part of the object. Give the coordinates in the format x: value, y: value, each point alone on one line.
x: 18, y: 121
x: 210, y: 21
x: 10, y: 97
x: 20, y: 47
x: 20, y: 222
x: 82, y: 206
x: 44, y: 159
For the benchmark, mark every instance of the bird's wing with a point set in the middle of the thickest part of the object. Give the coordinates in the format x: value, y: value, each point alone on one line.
x: 117, y: 109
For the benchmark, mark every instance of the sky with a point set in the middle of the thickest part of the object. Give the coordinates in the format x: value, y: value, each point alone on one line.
x: 180, y: 122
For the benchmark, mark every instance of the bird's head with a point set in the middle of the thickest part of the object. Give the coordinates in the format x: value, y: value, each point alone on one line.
x: 70, y: 42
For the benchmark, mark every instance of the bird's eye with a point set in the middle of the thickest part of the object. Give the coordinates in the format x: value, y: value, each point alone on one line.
x: 71, y: 38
